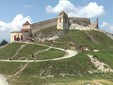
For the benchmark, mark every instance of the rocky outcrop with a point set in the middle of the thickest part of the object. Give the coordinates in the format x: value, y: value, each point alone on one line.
x: 101, y: 66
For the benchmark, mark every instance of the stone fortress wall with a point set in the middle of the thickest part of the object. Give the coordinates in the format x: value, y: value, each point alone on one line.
x: 80, y: 21
x: 42, y: 25
x: 52, y: 22
x: 62, y: 22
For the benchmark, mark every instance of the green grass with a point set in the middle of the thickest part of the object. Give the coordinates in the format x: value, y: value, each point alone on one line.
x: 79, y: 38
x: 103, y: 40
x: 9, y: 68
x: 78, y: 65
x: 30, y: 49
x: 10, y: 50
x: 68, y: 80
x: 50, y: 54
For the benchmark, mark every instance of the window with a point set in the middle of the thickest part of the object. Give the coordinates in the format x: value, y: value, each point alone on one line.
x: 21, y: 37
x: 15, y: 37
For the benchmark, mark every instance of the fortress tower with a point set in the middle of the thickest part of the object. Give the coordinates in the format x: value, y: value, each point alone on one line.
x: 62, y: 21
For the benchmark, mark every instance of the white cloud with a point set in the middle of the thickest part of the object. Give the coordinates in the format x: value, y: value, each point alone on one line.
x: 107, y: 27
x: 91, y: 10
x: 14, y: 25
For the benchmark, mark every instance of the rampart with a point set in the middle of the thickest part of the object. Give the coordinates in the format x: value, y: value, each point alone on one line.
x: 42, y: 25
x: 49, y: 23
x: 80, y: 21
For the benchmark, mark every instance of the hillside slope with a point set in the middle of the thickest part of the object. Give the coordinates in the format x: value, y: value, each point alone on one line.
x: 79, y: 66
x: 92, y: 39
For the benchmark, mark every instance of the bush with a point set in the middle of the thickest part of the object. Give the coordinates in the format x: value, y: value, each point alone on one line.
x: 4, y: 42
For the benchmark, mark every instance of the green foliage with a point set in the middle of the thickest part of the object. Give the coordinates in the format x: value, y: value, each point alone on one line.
x: 4, y: 42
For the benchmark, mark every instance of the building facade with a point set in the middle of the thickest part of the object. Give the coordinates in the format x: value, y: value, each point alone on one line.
x: 24, y: 35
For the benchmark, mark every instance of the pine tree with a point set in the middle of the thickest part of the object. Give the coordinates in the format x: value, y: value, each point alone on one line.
x: 4, y: 42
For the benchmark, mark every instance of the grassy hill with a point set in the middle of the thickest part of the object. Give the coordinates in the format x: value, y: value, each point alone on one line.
x: 10, y: 50
x: 80, y: 38
x: 23, y: 51
x: 61, y: 72
x: 92, y: 39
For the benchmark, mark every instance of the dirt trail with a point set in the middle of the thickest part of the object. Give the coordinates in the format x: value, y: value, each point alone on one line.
x: 22, y: 68
x: 22, y: 46
x: 69, y: 54
x: 91, y: 37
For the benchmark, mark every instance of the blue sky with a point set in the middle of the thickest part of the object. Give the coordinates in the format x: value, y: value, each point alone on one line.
x: 15, y: 12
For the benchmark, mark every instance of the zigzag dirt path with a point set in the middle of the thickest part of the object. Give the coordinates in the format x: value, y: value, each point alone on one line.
x: 43, y: 50
x: 19, y: 49
x: 21, y: 69
x: 69, y: 54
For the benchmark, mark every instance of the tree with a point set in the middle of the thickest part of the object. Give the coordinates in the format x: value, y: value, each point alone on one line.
x: 4, y: 42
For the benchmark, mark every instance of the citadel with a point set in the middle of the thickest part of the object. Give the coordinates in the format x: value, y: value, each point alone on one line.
x: 62, y: 22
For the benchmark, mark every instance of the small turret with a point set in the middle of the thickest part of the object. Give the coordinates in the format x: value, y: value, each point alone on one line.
x: 25, y: 27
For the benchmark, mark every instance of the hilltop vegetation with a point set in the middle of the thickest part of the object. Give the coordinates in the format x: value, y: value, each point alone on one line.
x: 91, y: 39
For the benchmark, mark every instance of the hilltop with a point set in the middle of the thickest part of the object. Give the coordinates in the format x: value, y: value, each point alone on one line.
x: 78, y: 67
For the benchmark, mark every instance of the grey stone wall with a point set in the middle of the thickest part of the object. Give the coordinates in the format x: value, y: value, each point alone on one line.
x: 42, y: 25
x: 52, y: 22
x: 80, y: 21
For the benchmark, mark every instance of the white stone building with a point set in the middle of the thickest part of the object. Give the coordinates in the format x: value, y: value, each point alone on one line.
x: 24, y: 35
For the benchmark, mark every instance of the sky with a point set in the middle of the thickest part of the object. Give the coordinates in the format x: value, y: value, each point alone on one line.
x: 13, y: 13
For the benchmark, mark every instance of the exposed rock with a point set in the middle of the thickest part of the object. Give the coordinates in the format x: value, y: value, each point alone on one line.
x: 101, y: 66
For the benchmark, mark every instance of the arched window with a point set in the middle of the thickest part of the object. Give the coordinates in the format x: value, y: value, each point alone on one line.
x: 15, y: 37
x: 18, y: 39
x: 21, y: 37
